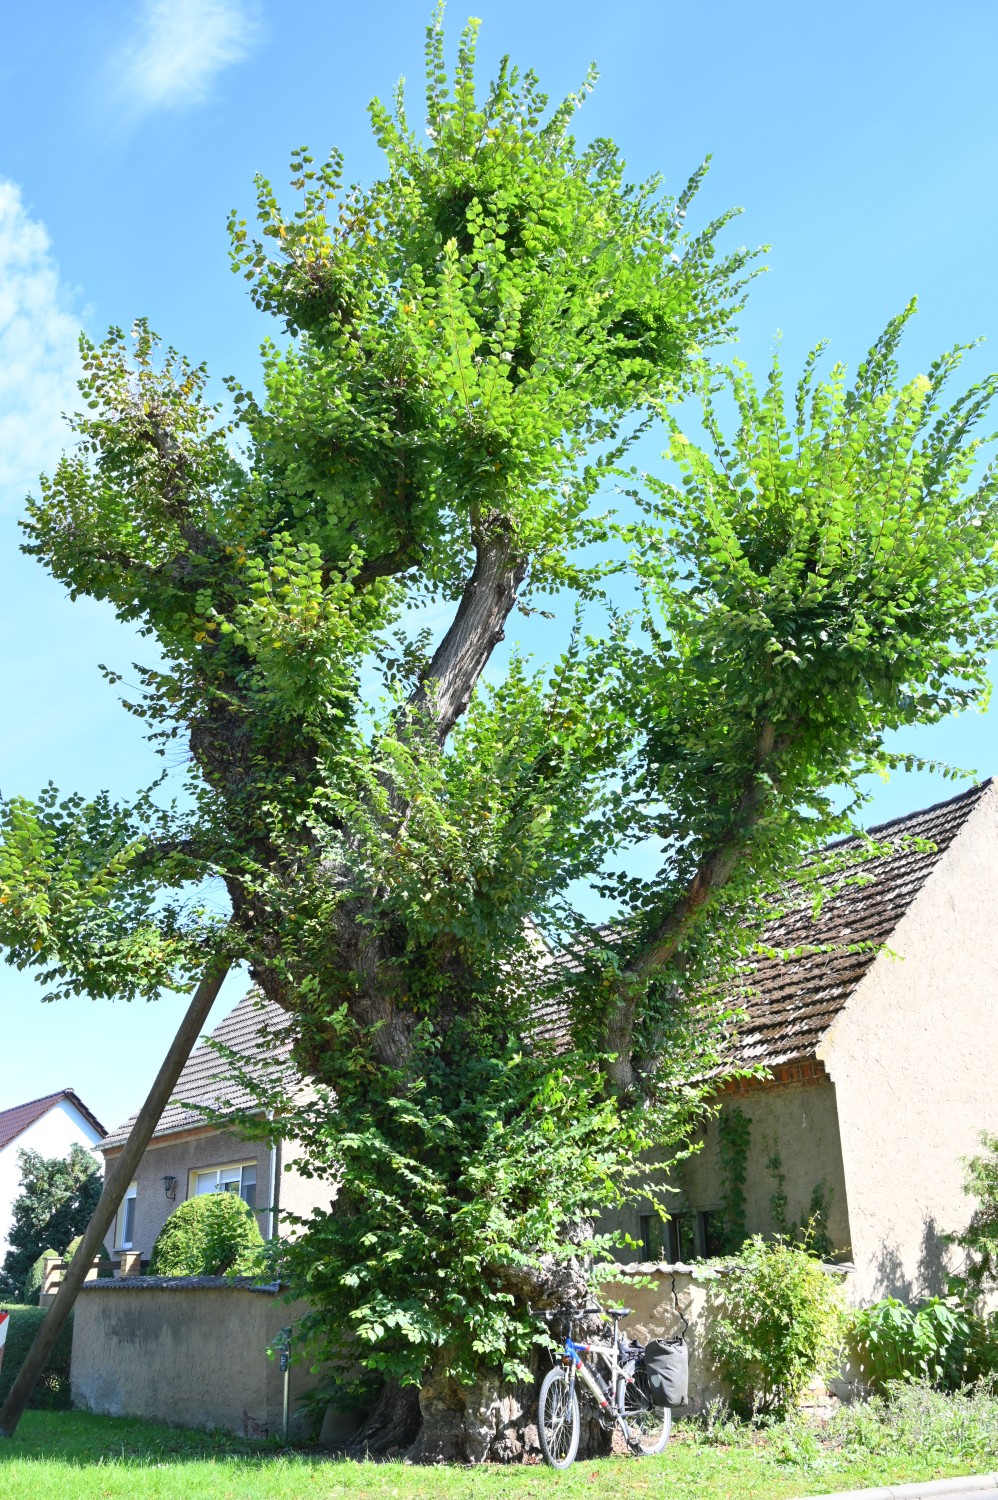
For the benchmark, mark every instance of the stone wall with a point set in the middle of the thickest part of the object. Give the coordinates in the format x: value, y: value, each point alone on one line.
x: 191, y: 1351
x: 659, y: 1310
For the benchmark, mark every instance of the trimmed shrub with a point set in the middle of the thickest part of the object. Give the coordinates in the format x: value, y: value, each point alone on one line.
x: 208, y: 1236
x: 52, y: 1391
x: 779, y: 1326
x: 35, y: 1277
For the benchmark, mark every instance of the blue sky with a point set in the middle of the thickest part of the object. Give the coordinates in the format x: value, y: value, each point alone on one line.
x: 860, y: 139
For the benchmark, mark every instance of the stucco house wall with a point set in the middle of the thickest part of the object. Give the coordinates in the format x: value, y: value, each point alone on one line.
x: 299, y: 1195
x: 59, y: 1128
x: 797, y: 1122
x: 281, y: 1190
x: 178, y: 1157
x: 913, y: 1056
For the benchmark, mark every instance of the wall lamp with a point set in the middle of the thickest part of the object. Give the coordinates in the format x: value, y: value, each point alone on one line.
x: 170, y: 1188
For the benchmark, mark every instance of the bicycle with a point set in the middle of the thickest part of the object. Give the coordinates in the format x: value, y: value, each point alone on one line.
x: 625, y: 1401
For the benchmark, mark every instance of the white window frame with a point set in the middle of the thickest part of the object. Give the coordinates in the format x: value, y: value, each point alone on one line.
x: 120, y: 1243
x: 225, y: 1166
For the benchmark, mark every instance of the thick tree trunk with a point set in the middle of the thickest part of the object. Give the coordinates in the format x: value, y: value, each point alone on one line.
x: 391, y: 1427
x: 492, y: 1420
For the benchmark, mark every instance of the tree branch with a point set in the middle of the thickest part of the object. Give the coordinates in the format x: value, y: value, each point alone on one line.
x: 404, y: 557
x: 711, y: 875
x: 445, y: 688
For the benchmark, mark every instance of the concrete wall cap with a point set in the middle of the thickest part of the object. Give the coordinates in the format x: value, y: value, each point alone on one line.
x: 182, y: 1284
x: 699, y: 1271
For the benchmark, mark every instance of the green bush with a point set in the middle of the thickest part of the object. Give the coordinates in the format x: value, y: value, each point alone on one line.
x: 208, y: 1236
x: 52, y: 1391
x: 778, y: 1326
x: 941, y: 1342
x: 35, y: 1277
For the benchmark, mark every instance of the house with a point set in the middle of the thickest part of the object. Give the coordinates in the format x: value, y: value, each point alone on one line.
x: 879, y: 1044
x: 880, y: 1055
x: 50, y: 1126
x: 187, y: 1157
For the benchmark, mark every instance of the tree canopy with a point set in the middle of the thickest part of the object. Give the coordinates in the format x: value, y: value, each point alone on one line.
x: 57, y: 1198
x: 403, y: 816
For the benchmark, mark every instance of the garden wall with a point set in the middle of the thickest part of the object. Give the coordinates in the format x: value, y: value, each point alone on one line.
x: 192, y: 1350
x: 189, y: 1350
x: 662, y: 1297
x: 658, y: 1311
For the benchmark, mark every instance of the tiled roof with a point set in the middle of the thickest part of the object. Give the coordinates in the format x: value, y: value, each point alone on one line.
x: 205, y: 1080
x: 792, y: 1002
x: 14, y: 1121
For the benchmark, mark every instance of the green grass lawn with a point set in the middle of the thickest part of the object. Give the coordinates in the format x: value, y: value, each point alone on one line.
x: 76, y: 1456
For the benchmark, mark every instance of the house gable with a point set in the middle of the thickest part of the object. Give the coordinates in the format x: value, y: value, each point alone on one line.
x: 253, y: 1030
x: 790, y: 1003
x: 913, y: 1055
x: 49, y: 1125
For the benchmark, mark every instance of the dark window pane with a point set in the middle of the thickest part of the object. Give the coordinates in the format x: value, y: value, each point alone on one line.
x: 248, y: 1189
x: 686, y: 1242
x: 713, y: 1231
x: 652, y: 1239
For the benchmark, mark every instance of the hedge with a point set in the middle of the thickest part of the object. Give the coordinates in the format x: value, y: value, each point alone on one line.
x: 52, y: 1391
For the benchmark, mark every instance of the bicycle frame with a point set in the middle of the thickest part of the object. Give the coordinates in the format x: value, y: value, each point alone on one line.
x: 575, y: 1356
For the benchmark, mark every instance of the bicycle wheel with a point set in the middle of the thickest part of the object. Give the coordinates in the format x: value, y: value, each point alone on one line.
x: 558, y: 1419
x: 648, y: 1426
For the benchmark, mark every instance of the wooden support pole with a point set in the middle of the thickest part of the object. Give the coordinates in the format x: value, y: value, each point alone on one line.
x: 115, y: 1187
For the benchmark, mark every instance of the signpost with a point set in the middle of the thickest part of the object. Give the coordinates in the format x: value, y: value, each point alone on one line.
x: 282, y: 1344
x: 4, y: 1325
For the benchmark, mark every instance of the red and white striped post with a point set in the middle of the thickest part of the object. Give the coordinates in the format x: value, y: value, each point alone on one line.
x: 4, y: 1325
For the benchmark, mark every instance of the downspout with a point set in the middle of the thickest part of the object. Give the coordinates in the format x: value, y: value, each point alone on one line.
x: 275, y: 1155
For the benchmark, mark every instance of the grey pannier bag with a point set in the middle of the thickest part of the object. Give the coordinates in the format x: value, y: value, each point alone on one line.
x: 667, y: 1371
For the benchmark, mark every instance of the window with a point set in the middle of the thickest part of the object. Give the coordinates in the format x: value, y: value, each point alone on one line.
x: 124, y: 1224
x: 683, y: 1236
x: 671, y: 1241
x: 240, y: 1179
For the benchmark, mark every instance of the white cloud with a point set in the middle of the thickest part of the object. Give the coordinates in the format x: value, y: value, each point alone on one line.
x: 39, y: 360
x: 180, y: 48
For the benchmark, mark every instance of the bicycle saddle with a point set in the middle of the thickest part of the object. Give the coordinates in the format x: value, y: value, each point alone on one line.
x: 619, y: 1312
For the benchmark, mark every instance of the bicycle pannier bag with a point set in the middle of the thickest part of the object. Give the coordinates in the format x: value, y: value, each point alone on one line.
x: 667, y: 1369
